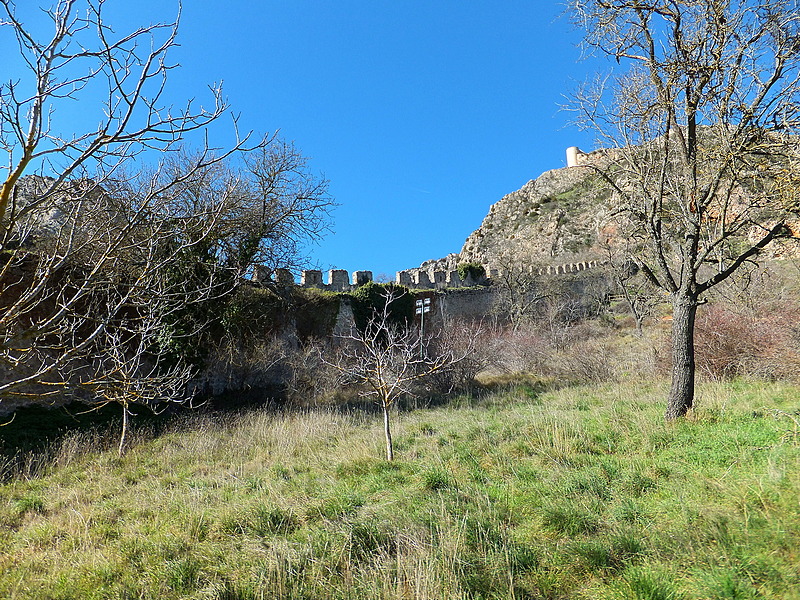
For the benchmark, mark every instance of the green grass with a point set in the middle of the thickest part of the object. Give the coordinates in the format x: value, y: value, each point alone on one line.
x: 581, y: 492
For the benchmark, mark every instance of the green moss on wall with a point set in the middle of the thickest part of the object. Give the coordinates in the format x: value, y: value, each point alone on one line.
x: 371, y: 298
x: 315, y: 312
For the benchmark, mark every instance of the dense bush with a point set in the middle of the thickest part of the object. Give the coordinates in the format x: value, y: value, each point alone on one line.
x: 474, y: 270
x: 252, y: 311
x: 731, y: 341
x: 370, y: 299
x: 314, y: 312
x: 459, y: 338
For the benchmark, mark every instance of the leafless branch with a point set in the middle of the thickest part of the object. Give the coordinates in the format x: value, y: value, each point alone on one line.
x: 386, y: 359
x: 99, y: 254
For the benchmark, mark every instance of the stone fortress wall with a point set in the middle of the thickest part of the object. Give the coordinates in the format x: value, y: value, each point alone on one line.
x: 339, y: 280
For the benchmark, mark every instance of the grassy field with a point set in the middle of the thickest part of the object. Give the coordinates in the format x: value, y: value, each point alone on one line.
x: 582, y: 492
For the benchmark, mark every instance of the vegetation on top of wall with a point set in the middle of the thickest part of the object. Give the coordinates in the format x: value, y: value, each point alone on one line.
x: 251, y: 310
x: 370, y: 298
x: 187, y: 330
x: 471, y: 269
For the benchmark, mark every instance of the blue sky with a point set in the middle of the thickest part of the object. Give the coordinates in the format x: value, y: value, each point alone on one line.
x: 421, y: 114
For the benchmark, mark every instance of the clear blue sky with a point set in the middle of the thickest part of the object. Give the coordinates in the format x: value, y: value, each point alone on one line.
x: 421, y: 114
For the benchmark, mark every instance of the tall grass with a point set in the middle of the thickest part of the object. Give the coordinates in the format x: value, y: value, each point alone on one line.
x: 581, y: 492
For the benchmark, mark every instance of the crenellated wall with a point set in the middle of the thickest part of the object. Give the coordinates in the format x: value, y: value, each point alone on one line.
x: 422, y: 278
x: 339, y: 280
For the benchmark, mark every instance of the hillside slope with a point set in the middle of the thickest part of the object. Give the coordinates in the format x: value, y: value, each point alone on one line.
x: 563, y: 213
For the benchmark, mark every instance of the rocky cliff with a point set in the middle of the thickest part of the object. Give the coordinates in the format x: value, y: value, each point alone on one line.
x: 561, y: 216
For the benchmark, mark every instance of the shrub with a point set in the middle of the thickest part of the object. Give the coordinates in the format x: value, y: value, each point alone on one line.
x: 238, y: 363
x: 459, y: 338
x: 588, y: 360
x: 370, y: 299
x: 474, y: 270
x: 516, y: 351
x: 725, y: 341
x: 314, y: 312
x: 309, y: 380
x: 730, y: 342
x: 252, y: 310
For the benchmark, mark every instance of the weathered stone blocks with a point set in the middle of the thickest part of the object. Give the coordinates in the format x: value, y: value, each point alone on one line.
x: 421, y: 278
x: 338, y: 280
x: 311, y: 278
x: 361, y: 277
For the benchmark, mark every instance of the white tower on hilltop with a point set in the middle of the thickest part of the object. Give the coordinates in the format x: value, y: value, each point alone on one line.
x: 574, y: 155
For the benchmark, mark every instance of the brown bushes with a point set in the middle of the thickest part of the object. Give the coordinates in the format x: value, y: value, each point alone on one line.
x: 732, y: 341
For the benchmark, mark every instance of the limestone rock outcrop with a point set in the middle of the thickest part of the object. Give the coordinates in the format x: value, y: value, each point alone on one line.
x: 561, y: 215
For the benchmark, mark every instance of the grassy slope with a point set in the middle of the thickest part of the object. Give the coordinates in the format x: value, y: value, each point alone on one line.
x: 578, y: 493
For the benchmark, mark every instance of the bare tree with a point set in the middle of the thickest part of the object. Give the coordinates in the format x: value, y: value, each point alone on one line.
x: 387, y: 359
x: 637, y: 291
x: 519, y: 288
x: 289, y: 207
x: 99, y: 256
x: 703, y: 135
x: 85, y: 58
x: 127, y: 372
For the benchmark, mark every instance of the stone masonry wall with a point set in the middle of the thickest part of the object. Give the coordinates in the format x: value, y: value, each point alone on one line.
x: 339, y: 280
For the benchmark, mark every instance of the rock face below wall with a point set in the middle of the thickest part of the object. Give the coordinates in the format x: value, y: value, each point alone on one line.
x: 560, y: 217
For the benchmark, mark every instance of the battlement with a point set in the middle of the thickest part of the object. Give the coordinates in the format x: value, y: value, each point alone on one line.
x: 427, y: 279
x: 339, y: 280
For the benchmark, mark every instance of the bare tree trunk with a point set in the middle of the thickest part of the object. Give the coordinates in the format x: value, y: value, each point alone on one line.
x: 387, y: 430
x: 638, y: 315
x: 681, y: 394
x: 121, y: 448
x: 639, y: 325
